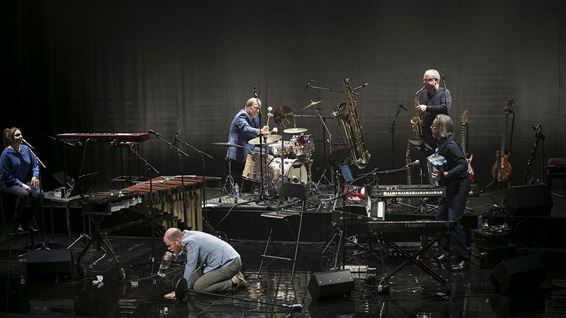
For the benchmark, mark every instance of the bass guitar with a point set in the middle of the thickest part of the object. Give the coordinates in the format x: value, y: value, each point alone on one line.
x: 501, y: 169
x: 469, y: 156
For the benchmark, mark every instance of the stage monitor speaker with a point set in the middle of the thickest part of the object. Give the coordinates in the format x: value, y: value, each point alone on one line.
x: 524, y: 273
x: 327, y: 285
x: 48, y: 264
x: 529, y: 200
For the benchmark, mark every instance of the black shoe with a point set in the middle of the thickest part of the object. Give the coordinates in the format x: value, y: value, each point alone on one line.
x: 19, y: 228
x: 443, y: 258
x: 460, y: 266
x: 32, y: 228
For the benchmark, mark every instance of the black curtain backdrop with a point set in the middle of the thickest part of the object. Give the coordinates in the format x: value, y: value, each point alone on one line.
x: 187, y: 67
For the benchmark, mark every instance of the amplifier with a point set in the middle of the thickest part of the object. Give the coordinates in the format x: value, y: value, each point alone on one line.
x: 490, y: 256
x: 48, y: 264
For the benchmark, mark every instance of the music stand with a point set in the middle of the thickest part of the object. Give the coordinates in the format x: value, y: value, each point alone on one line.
x: 84, y: 185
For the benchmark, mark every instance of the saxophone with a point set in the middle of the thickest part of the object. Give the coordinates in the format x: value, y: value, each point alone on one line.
x: 416, y: 120
x: 347, y: 115
x: 417, y: 132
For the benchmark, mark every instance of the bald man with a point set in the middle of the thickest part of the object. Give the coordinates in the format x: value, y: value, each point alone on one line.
x: 212, y: 264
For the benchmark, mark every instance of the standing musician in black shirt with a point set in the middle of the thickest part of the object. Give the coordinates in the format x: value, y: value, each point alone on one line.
x: 454, y: 178
x: 433, y: 100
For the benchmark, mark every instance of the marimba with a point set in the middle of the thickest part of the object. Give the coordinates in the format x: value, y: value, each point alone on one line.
x: 181, y: 197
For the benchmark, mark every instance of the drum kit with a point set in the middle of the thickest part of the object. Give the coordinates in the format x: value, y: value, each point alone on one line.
x: 284, y: 159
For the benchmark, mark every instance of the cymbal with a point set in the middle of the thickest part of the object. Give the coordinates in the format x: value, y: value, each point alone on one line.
x: 228, y: 144
x: 282, y: 115
x: 311, y: 104
x: 295, y: 130
x: 268, y: 140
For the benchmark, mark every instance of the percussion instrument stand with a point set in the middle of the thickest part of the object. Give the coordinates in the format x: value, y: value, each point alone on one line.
x: 229, y: 182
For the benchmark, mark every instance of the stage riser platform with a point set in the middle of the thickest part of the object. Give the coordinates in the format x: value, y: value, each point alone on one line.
x: 317, y: 226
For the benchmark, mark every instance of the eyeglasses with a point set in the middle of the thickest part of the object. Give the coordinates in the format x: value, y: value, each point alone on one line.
x: 428, y: 80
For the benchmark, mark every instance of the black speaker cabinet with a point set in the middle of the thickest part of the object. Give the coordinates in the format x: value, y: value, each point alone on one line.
x: 524, y: 273
x: 529, y: 200
x: 46, y: 264
x: 326, y: 285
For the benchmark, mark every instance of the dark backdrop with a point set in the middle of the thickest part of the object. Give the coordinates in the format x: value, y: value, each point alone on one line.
x: 187, y: 67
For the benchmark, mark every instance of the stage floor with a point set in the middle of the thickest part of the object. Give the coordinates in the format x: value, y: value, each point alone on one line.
x: 411, y: 292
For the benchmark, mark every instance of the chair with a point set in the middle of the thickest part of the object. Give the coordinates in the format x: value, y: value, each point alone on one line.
x: 555, y: 169
x: 287, y: 191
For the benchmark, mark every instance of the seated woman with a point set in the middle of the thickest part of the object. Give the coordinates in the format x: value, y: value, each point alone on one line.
x: 19, y: 176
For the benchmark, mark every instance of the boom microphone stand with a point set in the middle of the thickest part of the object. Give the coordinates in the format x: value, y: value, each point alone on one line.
x: 202, y: 157
x: 157, y: 173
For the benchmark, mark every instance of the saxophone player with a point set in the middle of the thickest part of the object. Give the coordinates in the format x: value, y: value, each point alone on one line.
x: 432, y: 100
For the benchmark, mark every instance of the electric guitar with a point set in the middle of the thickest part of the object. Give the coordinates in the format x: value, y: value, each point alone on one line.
x: 469, y: 156
x: 501, y: 169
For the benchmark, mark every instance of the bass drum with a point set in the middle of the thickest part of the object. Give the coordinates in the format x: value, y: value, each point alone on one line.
x: 295, y: 171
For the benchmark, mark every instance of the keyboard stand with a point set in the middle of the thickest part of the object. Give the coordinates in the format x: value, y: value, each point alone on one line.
x: 412, y: 258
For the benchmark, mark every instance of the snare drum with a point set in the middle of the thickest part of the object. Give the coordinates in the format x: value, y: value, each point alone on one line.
x: 252, y: 168
x: 295, y: 171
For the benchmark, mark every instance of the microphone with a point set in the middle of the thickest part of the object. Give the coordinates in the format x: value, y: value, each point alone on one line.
x: 153, y: 133
x: 175, y: 140
x: 28, y: 144
x: 403, y: 107
x: 255, y: 92
x: 412, y: 164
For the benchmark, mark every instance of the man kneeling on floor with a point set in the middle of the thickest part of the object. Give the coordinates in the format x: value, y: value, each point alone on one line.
x: 212, y: 264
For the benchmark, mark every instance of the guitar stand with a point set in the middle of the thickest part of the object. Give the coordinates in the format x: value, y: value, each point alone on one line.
x: 415, y: 259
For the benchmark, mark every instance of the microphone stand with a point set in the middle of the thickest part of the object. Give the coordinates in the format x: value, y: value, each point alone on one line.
x: 202, y: 157
x: 42, y: 230
x: 392, y: 131
x: 328, y: 140
x: 149, y: 167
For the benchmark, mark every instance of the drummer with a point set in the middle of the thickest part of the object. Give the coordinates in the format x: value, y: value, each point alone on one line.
x: 244, y: 127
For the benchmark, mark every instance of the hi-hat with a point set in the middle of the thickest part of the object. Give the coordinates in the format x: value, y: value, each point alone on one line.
x: 227, y: 144
x: 267, y: 140
x: 282, y: 115
x: 311, y: 104
x: 295, y: 130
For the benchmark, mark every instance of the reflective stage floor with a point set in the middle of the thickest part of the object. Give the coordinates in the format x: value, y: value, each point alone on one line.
x: 410, y: 293
x: 103, y: 291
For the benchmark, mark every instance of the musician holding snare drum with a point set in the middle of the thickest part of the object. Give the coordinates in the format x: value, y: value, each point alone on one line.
x: 453, y: 177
